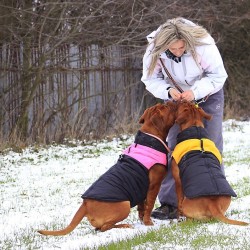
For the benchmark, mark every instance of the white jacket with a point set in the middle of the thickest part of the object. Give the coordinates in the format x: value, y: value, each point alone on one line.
x: 209, y: 78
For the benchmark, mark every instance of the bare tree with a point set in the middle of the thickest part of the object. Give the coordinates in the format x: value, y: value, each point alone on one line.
x: 47, y: 44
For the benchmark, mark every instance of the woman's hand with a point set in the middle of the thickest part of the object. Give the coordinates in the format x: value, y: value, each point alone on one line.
x: 187, y: 95
x: 175, y: 94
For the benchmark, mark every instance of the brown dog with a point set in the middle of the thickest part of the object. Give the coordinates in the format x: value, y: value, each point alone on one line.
x: 202, y: 190
x: 134, y: 180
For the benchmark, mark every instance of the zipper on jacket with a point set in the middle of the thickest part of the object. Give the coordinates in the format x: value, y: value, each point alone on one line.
x: 184, y: 68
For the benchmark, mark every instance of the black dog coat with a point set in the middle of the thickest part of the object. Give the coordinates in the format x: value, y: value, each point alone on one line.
x: 128, y: 179
x: 199, y: 162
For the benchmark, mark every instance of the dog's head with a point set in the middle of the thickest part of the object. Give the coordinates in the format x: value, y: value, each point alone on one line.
x: 188, y: 114
x: 158, y: 119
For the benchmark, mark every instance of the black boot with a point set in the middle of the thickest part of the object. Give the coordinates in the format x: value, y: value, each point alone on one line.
x: 164, y: 212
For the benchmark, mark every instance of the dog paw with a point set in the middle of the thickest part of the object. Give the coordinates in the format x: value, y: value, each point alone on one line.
x: 141, y: 218
x: 148, y: 222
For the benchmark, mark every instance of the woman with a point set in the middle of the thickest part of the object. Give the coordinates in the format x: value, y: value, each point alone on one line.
x: 189, y: 54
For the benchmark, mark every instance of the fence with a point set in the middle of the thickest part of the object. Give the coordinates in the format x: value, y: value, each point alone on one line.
x: 74, y: 91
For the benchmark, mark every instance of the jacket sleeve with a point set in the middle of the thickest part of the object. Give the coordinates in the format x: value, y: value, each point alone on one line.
x: 214, y: 73
x: 155, y: 83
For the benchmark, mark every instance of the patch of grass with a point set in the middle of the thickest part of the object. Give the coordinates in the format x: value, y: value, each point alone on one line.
x: 8, y: 180
x: 193, y: 235
x: 230, y: 161
x: 56, y: 191
x: 233, y: 126
x: 242, y: 187
x: 24, y: 239
x: 211, y: 241
x: 230, y: 157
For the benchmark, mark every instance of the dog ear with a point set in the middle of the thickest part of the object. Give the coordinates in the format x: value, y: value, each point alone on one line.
x: 142, y: 118
x: 147, y: 114
x: 204, y: 114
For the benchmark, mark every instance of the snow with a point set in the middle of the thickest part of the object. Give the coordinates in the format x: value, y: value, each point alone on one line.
x: 41, y: 189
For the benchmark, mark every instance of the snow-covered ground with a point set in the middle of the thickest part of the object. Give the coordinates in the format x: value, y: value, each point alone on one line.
x: 41, y: 189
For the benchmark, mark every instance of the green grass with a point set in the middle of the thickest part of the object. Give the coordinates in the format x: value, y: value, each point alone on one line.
x: 242, y: 187
x: 189, y: 235
x: 231, y: 157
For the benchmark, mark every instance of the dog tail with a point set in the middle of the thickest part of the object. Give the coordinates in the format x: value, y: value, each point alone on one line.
x: 224, y: 219
x: 73, y: 224
x: 219, y: 215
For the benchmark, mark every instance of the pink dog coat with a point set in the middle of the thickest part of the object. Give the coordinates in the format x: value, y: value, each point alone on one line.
x: 145, y: 155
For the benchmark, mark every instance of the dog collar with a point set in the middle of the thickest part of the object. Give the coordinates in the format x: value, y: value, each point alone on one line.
x: 163, y: 143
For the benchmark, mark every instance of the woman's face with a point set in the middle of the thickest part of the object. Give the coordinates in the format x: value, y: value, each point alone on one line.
x: 177, y: 48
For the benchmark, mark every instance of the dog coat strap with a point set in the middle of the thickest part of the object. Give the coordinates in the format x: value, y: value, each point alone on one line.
x: 202, y: 147
x: 195, y: 144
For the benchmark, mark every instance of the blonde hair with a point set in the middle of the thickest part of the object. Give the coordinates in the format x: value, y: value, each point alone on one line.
x: 173, y: 30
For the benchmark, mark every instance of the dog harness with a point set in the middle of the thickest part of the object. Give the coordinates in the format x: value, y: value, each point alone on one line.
x: 128, y: 179
x: 199, y: 162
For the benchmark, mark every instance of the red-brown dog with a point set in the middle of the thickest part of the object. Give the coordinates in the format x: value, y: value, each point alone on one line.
x: 134, y: 180
x: 202, y: 189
